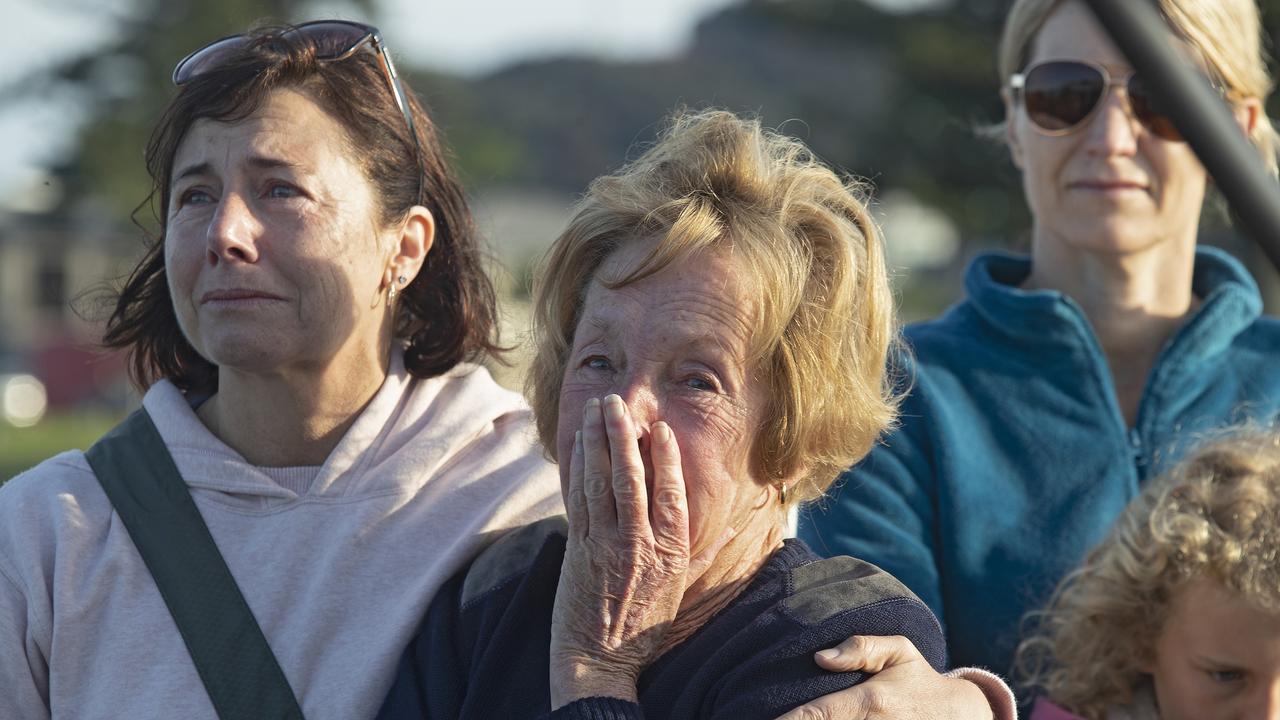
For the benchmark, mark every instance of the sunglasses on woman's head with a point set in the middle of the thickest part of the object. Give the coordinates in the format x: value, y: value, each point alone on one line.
x: 333, y: 40
x: 1061, y: 96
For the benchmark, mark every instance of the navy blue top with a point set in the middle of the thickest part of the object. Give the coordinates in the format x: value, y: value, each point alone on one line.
x: 1013, y: 457
x: 482, y: 651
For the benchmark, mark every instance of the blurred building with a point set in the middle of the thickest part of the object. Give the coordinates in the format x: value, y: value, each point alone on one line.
x: 55, y: 275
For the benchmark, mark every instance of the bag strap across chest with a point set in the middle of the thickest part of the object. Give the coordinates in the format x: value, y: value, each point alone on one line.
x: 230, y: 653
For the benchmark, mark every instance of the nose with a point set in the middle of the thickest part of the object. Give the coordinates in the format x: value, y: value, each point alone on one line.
x: 641, y: 400
x: 233, y: 232
x: 1114, y: 129
x: 1268, y: 701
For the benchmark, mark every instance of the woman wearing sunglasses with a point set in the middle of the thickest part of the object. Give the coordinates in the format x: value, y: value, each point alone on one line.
x: 1044, y: 400
x: 301, y: 326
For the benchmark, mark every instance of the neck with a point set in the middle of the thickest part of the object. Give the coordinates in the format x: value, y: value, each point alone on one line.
x: 729, y: 574
x: 291, y: 418
x: 1134, y: 301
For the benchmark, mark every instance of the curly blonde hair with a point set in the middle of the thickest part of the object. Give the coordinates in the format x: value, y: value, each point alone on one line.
x: 1215, y: 515
x: 801, y: 235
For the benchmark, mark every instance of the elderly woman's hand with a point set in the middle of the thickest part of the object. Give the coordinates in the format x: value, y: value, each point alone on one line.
x: 626, y: 563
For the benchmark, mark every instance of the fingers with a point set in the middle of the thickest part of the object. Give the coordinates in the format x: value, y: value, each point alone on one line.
x: 868, y: 653
x: 575, y: 503
x: 670, y: 504
x: 844, y: 705
x: 627, y: 470
x: 596, y: 475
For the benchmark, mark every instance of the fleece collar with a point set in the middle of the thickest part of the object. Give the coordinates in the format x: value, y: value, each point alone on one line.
x: 1230, y: 304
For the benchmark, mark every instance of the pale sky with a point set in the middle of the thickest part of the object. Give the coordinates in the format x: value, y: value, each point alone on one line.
x: 463, y: 36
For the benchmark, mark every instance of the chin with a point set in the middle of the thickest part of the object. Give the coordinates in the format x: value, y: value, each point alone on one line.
x: 1123, y: 236
x: 245, y: 352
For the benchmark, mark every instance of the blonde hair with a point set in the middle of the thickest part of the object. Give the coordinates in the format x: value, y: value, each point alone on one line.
x: 1226, y: 33
x: 804, y: 237
x: 1215, y: 515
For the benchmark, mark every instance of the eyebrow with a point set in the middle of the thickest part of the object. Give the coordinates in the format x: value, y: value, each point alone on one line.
x: 261, y: 162
x: 682, y: 341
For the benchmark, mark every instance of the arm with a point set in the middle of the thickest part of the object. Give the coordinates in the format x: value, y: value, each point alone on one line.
x: 884, y: 509
x: 904, y: 685
x: 24, y: 671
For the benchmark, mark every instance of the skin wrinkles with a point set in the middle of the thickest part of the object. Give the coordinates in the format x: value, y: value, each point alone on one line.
x: 656, y: 386
x: 311, y: 216
x: 649, y: 341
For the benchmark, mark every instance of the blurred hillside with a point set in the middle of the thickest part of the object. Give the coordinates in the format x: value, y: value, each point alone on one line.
x: 894, y: 98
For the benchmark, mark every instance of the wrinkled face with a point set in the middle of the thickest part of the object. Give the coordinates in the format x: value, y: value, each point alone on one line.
x: 1217, y: 658
x: 274, y: 254
x: 674, y: 347
x: 1111, y: 185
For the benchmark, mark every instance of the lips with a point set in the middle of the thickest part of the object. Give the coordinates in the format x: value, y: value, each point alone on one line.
x: 1106, y: 185
x: 231, y: 295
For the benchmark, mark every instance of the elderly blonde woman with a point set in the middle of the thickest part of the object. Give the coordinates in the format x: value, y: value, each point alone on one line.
x: 1046, y: 399
x: 712, y: 334
x: 1176, y: 616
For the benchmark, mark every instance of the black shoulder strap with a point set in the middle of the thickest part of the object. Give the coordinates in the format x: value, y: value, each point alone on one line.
x: 230, y: 652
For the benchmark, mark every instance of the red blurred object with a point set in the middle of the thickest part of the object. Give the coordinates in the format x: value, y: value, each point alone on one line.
x: 74, y: 372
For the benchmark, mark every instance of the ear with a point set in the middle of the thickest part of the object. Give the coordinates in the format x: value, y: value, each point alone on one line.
x: 1247, y: 112
x: 1010, y: 132
x: 417, y: 233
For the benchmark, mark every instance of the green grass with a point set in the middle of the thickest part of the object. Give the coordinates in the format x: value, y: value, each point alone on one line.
x: 21, y: 448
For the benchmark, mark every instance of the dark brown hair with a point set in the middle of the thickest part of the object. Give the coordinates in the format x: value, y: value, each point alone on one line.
x: 447, y: 314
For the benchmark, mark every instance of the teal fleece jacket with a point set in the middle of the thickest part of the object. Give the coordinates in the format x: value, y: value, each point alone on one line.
x: 1013, y: 458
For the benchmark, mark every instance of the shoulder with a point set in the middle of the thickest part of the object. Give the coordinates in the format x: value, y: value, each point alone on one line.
x: 990, y: 283
x: 64, y: 483
x: 842, y: 596
x: 509, y: 558
x: 472, y: 386
x: 955, y: 327
x: 52, y: 510
x: 825, y: 588
x: 1250, y: 357
x: 465, y: 405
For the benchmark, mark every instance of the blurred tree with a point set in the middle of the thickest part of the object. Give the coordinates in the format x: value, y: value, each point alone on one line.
x: 126, y: 83
x: 894, y: 98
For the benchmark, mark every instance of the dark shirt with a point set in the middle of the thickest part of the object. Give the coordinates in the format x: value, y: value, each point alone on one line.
x: 482, y: 651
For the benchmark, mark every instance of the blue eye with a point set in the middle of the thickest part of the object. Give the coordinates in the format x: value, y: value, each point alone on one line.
x: 280, y: 191
x: 596, y: 362
x: 194, y: 196
x: 701, y: 383
x: 1225, y: 676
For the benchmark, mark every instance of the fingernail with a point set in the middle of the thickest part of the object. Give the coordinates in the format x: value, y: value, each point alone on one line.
x: 662, y: 433
x: 577, y: 443
x: 830, y: 654
x: 589, y: 410
x: 613, y: 407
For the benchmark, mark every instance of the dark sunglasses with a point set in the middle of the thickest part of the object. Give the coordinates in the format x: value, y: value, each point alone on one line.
x: 1061, y: 96
x: 333, y: 40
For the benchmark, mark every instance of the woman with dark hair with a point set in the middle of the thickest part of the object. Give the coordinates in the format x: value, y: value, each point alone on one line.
x: 302, y: 327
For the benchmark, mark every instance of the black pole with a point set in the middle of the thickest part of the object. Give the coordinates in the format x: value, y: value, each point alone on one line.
x: 1199, y: 114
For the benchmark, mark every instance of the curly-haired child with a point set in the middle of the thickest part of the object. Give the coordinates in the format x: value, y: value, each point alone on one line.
x: 1176, y: 615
